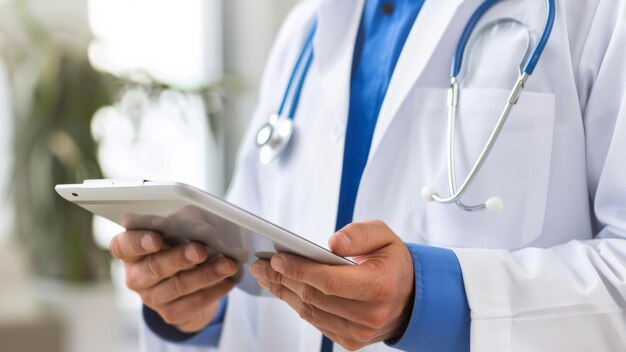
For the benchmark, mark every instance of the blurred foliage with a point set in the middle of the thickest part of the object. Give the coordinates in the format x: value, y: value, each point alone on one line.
x: 56, y: 92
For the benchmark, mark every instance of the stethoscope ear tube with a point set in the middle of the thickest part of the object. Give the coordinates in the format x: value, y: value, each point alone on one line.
x: 457, y: 60
x: 543, y: 40
x: 274, y: 136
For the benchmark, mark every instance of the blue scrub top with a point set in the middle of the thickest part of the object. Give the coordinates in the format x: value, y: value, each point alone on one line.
x: 442, y: 325
x: 385, y: 25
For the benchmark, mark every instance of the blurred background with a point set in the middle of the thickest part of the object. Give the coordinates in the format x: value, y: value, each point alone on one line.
x: 154, y: 89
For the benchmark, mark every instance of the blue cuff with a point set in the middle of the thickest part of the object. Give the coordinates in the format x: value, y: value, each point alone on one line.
x: 210, y: 336
x: 440, y: 320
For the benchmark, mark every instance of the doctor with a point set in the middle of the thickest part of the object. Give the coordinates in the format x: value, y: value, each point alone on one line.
x: 547, y: 272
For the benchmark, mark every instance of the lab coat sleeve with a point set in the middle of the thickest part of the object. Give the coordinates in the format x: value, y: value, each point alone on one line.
x: 571, y: 297
x: 440, y: 318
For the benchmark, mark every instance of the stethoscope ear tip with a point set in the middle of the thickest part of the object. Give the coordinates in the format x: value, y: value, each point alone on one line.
x: 428, y: 193
x: 494, y: 204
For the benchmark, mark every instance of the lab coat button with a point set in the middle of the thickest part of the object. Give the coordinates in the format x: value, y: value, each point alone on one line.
x: 387, y: 8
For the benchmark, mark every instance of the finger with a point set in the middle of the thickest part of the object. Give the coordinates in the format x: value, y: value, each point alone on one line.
x: 367, y: 313
x: 357, y: 282
x: 185, y: 283
x: 361, y: 238
x: 131, y: 246
x: 162, y: 265
x: 317, y: 317
x: 185, y: 309
x: 347, y: 343
x: 132, y: 222
x: 191, y: 213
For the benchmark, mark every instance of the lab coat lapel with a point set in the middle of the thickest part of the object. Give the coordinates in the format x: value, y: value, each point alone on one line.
x: 338, y: 23
x: 429, y: 27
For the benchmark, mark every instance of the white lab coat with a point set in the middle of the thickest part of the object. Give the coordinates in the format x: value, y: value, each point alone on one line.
x: 548, y: 273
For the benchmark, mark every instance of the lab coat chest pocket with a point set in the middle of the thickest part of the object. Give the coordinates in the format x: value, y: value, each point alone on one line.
x: 517, y: 169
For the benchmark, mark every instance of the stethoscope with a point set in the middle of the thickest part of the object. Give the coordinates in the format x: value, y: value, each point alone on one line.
x: 273, y: 137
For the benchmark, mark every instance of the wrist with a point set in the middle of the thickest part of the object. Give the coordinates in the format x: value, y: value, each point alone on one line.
x: 207, y: 317
x: 409, y: 297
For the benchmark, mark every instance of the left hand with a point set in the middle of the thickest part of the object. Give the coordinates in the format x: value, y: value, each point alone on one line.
x: 352, y: 305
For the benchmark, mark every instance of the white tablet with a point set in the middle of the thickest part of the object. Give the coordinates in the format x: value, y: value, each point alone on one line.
x: 181, y: 213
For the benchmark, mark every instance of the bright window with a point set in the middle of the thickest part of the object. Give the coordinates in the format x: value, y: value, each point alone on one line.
x: 175, y: 42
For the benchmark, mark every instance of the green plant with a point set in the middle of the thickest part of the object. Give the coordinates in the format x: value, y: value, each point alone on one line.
x: 56, y: 92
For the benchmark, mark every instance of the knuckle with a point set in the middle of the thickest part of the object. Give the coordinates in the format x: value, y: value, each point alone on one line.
x: 273, y: 275
x: 177, y: 258
x: 160, y: 295
x: 190, y: 326
x: 330, y: 285
x: 277, y: 291
x: 133, y: 279
x: 381, y: 226
x: 166, y: 315
x: 153, y: 267
x: 207, y: 274
x: 305, y: 312
x: 360, y: 335
x: 296, y: 272
x: 378, y: 223
x: 170, y: 315
x: 310, y: 295
x: 350, y: 345
x: 175, y: 286
x: 377, y: 319
x: 147, y: 298
x: 130, y: 282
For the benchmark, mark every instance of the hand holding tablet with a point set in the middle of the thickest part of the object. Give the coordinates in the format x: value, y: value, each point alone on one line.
x: 182, y: 213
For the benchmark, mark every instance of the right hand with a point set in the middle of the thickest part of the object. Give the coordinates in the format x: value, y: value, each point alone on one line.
x: 178, y: 283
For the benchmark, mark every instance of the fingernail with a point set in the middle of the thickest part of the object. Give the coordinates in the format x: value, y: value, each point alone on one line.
x: 278, y: 264
x: 192, y: 254
x: 222, y: 267
x: 147, y: 243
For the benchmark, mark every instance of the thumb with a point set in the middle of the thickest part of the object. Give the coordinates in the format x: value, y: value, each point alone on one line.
x: 361, y: 238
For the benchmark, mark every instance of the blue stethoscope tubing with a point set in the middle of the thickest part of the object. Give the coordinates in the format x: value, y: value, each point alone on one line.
x: 305, y: 58
x: 471, y: 25
x: 273, y: 136
x: 493, y: 203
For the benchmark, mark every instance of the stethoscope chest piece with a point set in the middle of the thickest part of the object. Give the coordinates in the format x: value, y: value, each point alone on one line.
x: 273, y: 137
